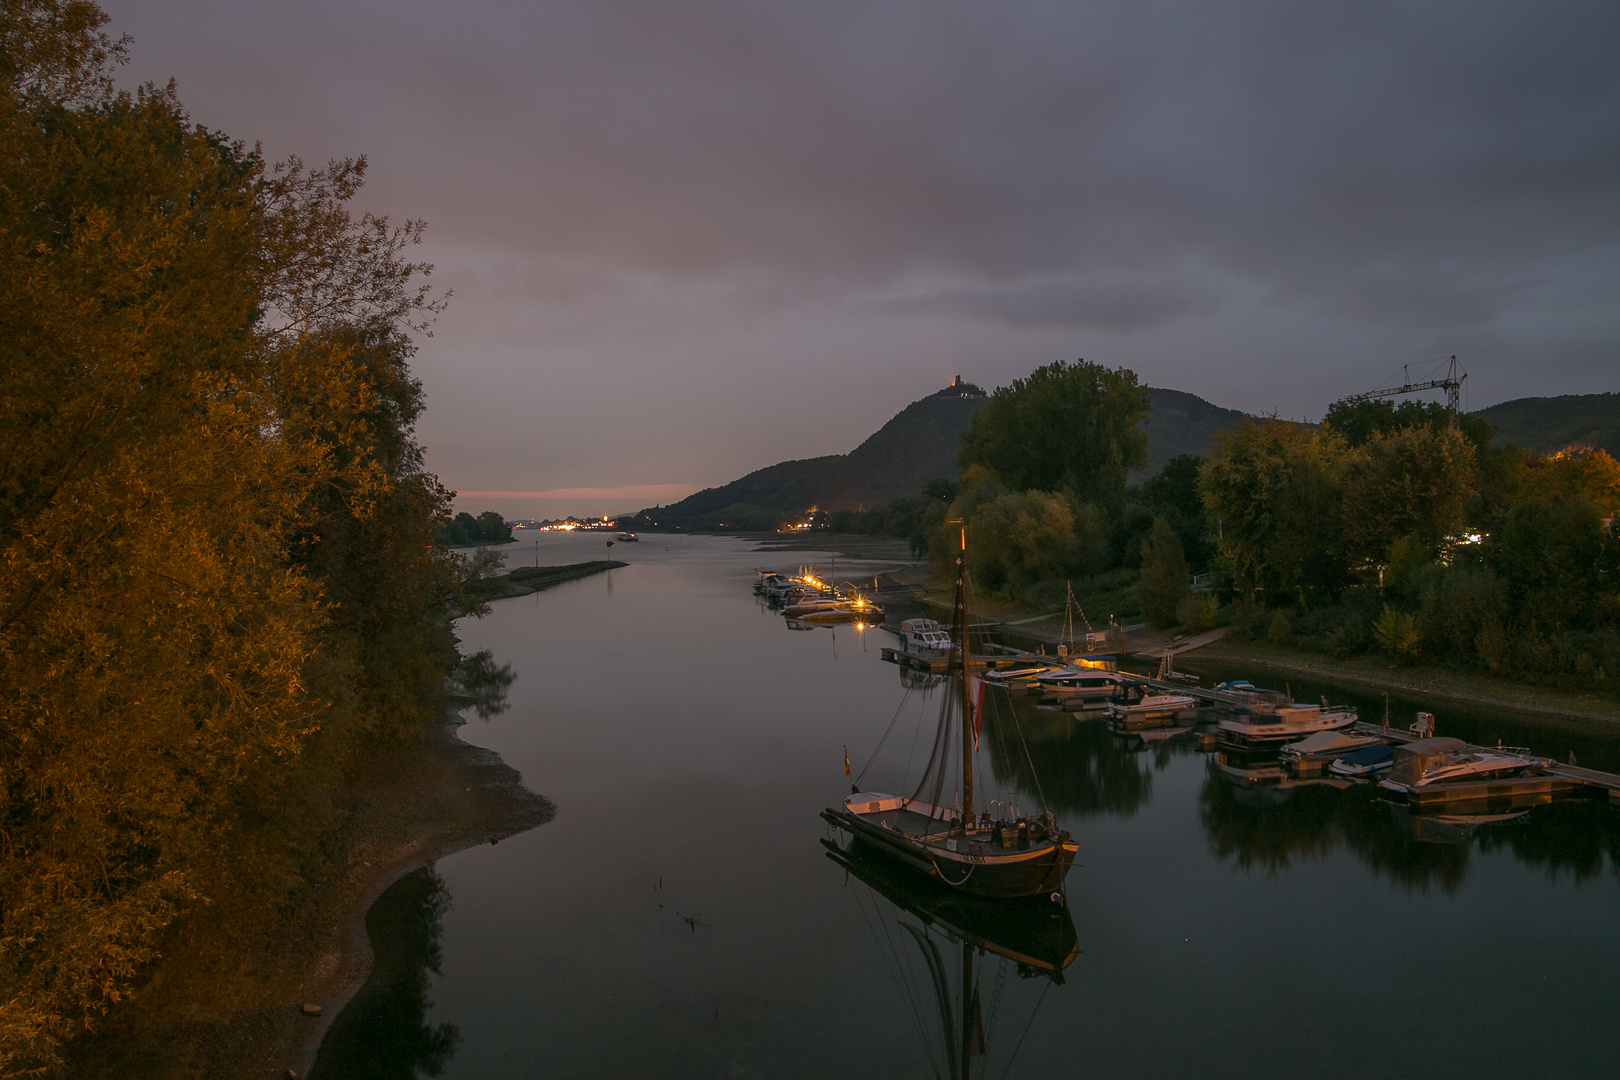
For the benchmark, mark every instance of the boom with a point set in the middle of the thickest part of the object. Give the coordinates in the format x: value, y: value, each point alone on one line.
x: 1451, y: 384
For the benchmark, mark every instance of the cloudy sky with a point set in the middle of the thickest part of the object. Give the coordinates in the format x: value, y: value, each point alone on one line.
x: 688, y: 239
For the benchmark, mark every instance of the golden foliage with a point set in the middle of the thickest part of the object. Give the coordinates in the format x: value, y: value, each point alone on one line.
x: 204, y: 418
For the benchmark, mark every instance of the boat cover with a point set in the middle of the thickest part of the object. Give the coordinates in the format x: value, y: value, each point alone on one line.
x: 1368, y: 755
x: 1326, y: 742
x: 1412, y: 759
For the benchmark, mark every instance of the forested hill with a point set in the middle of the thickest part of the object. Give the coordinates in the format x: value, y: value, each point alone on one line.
x: 1543, y: 424
x: 918, y: 444
x: 1181, y: 423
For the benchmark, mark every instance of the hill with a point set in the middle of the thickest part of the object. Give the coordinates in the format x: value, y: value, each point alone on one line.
x: 1545, y: 424
x: 1181, y: 423
x: 918, y: 444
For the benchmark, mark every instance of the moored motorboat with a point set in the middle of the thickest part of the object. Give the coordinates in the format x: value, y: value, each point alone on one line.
x: 856, y: 610
x: 1134, y: 708
x: 1326, y: 746
x: 1439, y: 762
x: 1264, y: 722
x: 1363, y: 762
x: 1021, y: 675
x: 1092, y: 686
x: 925, y: 639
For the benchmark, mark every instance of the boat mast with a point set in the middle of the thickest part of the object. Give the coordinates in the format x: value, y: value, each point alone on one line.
x: 967, y: 696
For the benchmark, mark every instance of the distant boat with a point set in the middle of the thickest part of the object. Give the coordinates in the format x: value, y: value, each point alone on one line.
x: 628, y: 538
x: 1016, y: 856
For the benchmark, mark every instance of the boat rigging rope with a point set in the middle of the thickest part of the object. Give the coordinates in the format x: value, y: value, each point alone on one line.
x: 1027, y: 1026
x: 1033, y: 775
x: 911, y: 755
x: 898, y: 710
x: 887, y: 948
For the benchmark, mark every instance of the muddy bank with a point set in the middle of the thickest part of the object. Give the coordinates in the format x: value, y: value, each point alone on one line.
x: 227, y: 999
x: 1599, y: 711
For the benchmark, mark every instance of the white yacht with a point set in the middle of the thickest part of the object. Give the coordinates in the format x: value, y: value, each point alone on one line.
x: 1022, y: 674
x: 1262, y: 723
x: 925, y: 639
x: 1130, y: 710
x: 1427, y: 762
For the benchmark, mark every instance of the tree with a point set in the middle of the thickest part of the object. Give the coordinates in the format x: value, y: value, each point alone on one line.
x: 1273, y: 489
x: 1165, y: 579
x: 1173, y: 494
x: 216, y: 558
x: 1074, y: 427
x: 1414, y: 481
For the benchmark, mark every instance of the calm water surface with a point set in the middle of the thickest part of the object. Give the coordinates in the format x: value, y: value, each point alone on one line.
x: 681, y: 918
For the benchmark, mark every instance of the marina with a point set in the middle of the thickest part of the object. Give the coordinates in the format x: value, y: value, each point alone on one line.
x: 1230, y: 880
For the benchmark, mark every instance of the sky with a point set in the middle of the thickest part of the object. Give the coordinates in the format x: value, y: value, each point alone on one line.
x: 688, y: 240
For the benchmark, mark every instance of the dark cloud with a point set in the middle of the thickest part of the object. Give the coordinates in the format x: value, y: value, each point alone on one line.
x: 664, y: 207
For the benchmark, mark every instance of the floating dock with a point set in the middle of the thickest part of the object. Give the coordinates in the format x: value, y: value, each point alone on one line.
x: 1552, y: 783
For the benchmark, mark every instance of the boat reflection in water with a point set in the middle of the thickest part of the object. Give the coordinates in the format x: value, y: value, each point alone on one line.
x: 974, y: 1013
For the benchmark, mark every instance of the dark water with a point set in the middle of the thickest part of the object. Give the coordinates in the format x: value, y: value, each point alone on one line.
x: 681, y: 918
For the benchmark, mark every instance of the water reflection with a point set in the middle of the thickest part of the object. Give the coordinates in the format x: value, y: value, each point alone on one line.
x: 1258, y: 818
x: 383, y: 1034
x: 483, y: 682
x: 948, y: 955
x: 1082, y: 769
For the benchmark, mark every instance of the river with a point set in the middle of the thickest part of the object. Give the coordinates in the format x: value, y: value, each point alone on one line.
x: 681, y: 918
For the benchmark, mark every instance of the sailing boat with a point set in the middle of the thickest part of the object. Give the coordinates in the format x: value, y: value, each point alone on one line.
x: 1016, y: 856
x: 1035, y: 937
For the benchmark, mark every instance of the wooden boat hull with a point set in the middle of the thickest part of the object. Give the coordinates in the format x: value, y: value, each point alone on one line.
x: 966, y: 862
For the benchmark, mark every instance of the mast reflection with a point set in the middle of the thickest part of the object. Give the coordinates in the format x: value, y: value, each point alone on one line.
x: 975, y: 1014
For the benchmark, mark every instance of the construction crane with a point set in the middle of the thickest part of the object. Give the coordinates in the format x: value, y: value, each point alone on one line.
x: 1451, y: 384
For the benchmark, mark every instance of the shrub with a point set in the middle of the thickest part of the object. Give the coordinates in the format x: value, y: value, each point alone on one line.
x: 1397, y: 634
x: 1197, y: 611
x: 1281, y: 631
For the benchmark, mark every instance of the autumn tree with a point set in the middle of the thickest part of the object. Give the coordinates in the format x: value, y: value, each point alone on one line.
x: 216, y: 549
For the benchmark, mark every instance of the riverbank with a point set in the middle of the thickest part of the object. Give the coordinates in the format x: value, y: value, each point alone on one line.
x: 205, y: 1012
x: 1424, y: 683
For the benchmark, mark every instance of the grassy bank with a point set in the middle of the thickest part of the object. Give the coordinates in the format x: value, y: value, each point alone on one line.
x: 225, y: 999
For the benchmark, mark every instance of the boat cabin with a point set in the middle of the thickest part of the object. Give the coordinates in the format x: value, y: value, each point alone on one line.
x: 925, y: 637
x: 1415, y: 758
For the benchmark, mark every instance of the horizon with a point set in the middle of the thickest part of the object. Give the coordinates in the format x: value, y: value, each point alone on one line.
x: 687, y: 242
x: 575, y: 499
